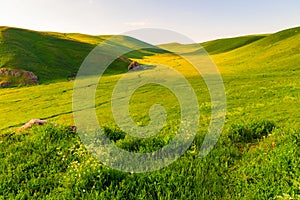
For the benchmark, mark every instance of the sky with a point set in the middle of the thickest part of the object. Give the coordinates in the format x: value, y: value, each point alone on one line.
x: 200, y: 20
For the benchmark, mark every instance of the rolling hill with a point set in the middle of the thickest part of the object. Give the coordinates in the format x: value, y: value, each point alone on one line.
x: 283, y: 42
x: 215, y: 46
x: 225, y: 45
x: 276, y: 53
x: 263, y: 54
x: 57, y: 56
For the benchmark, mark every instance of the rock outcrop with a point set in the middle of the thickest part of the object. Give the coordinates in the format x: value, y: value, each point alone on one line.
x: 30, y: 78
x: 134, y: 66
x: 31, y: 123
x: 9, y: 77
x: 39, y: 122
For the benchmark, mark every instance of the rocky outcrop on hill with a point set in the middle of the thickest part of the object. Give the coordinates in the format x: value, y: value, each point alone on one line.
x: 30, y: 78
x: 39, y: 122
x: 10, y: 77
x: 134, y: 66
x: 31, y: 123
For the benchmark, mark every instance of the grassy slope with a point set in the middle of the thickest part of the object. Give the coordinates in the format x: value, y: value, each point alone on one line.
x: 224, y: 45
x: 215, y: 46
x: 260, y: 169
x: 49, y: 55
x: 268, y: 70
x: 180, y: 48
x: 277, y: 53
x: 55, y: 56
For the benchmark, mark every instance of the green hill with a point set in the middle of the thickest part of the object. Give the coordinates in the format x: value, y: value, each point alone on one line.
x: 277, y: 53
x: 225, y: 45
x: 57, y: 56
x: 50, y: 56
x: 245, y: 44
x: 181, y: 48
x: 263, y: 54
x: 213, y: 47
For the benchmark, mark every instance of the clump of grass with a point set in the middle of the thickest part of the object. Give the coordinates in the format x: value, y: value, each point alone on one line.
x: 247, y: 133
x: 114, y: 134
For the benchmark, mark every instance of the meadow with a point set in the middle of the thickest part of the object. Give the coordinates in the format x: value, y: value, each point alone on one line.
x: 256, y: 157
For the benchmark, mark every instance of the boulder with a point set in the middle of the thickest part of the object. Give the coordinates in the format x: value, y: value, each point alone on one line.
x: 134, y: 66
x: 40, y: 122
x: 30, y: 77
x: 5, y: 84
x: 31, y: 123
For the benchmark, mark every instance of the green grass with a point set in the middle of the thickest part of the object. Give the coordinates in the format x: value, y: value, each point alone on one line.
x: 257, y: 156
x: 50, y: 162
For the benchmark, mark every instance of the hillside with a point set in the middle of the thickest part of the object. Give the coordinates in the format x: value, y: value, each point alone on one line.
x: 225, y: 45
x: 277, y: 43
x: 56, y: 56
x: 277, y: 53
x: 215, y: 46
x: 180, y: 48
x: 262, y: 54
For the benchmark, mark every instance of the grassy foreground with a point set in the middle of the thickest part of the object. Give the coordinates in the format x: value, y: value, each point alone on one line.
x: 50, y: 162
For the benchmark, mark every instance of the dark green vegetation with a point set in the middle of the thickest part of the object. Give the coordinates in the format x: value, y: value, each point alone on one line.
x: 257, y: 156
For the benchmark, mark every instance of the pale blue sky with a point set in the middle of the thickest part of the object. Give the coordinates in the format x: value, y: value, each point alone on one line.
x: 201, y: 20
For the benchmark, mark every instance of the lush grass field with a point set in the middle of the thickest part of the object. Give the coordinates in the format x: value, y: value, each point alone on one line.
x: 257, y: 156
